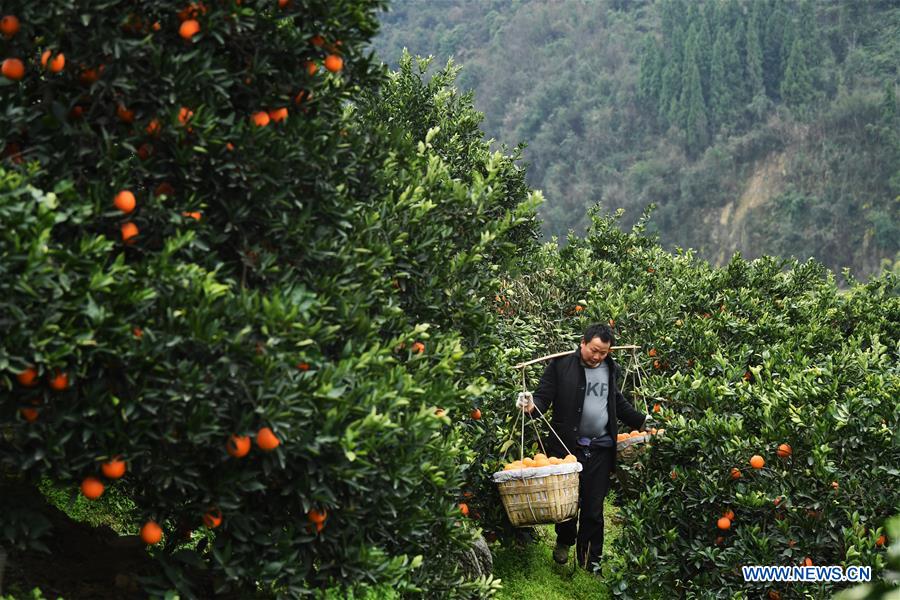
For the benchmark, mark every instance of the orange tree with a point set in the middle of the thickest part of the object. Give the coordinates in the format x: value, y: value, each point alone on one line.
x: 766, y: 357
x: 222, y: 266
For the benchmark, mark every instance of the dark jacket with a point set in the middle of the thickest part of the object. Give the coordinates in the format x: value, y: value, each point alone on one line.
x: 562, y: 388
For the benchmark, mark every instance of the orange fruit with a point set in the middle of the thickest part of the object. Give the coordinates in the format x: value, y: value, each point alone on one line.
x: 317, y: 516
x: 735, y: 473
x: 124, y: 201
x: 283, y: 3
x: 311, y: 67
x: 656, y: 364
x: 657, y: 407
x: 229, y: 146
x: 440, y: 412
x: 881, y: 540
x: 652, y: 352
x: 634, y: 432
x: 56, y: 64
x: 28, y: 377
x: 723, y: 523
x: 92, y: 488
x: 260, y: 119
x: 189, y: 29
x: 266, y: 439
x: 77, y: 112
x: 303, y: 366
x: 164, y: 188
x: 807, y: 562
x: 29, y: 414
x: 578, y: 308
x: 113, y: 468
x: 144, y: 151
x: 334, y: 63
x: 238, y: 445
x: 784, y: 450
x: 153, y: 127
x: 729, y: 514
x: 418, y: 347
x: 673, y: 474
x: 129, y: 232
x: 621, y: 437
x: 528, y: 462
x: 137, y: 332
x: 464, y: 509
x: 774, y: 595
x: 834, y: 485
x: 9, y: 26
x: 476, y: 414
x: 570, y: 458
x: 59, y: 381
x: 151, y: 533
x: 125, y: 115
x: 184, y: 115
x: 757, y: 462
x: 89, y: 76
x: 278, y: 114
x: 212, y: 518
x: 196, y: 215
x: 13, y: 68
x: 555, y: 460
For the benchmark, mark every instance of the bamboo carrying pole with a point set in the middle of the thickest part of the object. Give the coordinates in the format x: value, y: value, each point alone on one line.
x: 549, y: 356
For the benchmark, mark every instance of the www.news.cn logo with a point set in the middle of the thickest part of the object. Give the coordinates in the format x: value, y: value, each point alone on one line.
x: 833, y: 573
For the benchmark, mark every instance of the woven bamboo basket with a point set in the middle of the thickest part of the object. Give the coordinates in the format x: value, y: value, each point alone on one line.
x: 629, y: 450
x: 537, y: 499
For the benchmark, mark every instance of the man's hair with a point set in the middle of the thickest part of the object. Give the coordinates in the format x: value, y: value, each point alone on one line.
x: 601, y: 331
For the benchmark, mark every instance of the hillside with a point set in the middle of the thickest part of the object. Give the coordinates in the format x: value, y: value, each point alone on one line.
x: 785, y: 153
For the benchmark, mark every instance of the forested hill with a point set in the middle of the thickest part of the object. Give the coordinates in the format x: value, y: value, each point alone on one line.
x: 765, y: 127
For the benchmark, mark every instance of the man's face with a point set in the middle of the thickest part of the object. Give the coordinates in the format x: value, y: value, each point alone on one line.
x: 594, y: 352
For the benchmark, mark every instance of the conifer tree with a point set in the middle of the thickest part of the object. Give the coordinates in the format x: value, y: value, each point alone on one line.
x: 704, y: 53
x: 671, y: 80
x: 754, y: 57
x: 720, y: 92
x: 772, y: 39
x: 693, y: 121
x: 735, y: 66
x: 797, y: 86
x: 650, y: 80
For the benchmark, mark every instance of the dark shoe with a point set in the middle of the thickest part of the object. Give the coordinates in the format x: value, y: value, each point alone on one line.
x: 561, y: 554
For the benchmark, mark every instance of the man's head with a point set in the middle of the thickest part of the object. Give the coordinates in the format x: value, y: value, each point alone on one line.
x: 595, y: 344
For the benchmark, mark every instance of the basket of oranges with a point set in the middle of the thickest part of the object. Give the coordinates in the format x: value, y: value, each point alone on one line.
x: 539, y: 490
x: 630, y: 445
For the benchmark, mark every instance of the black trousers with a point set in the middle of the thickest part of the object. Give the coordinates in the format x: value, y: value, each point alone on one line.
x: 593, y: 484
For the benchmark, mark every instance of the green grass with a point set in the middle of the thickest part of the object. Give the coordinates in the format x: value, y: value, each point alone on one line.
x: 529, y: 573
x: 113, y: 509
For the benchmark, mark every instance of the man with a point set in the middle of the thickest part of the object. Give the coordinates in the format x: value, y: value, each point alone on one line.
x: 586, y: 402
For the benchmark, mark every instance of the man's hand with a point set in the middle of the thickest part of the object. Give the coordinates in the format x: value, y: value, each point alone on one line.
x: 525, y: 402
x: 649, y: 423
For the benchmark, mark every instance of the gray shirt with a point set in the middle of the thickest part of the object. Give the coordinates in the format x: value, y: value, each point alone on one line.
x: 595, y: 415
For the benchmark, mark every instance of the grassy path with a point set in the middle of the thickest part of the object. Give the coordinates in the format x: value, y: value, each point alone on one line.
x: 529, y: 573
